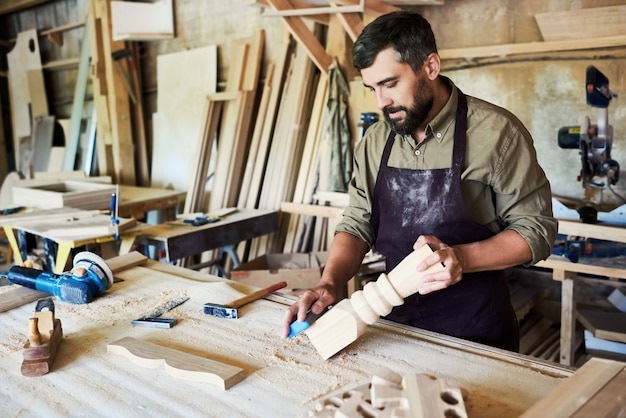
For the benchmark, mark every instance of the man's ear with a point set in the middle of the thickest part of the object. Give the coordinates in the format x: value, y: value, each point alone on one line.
x: 432, y: 66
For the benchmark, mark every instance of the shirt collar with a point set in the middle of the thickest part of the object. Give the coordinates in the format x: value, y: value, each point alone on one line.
x: 441, y: 123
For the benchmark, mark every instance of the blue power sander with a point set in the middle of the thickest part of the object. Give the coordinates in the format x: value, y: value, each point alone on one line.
x: 89, y: 278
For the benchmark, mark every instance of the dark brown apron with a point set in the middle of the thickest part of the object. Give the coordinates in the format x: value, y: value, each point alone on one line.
x: 408, y: 203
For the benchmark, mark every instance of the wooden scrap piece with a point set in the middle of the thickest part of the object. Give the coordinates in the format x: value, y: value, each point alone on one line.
x: 428, y: 396
x: 418, y: 395
x: 177, y: 363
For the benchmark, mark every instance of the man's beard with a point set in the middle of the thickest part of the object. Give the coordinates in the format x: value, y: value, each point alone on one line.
x: 414, y: 116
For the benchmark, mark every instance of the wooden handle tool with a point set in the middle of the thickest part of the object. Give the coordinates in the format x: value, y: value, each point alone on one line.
x: 229, y: 310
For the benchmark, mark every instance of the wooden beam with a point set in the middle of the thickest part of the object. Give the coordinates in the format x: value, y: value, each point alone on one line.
x: 531, y: 48
x: 333, y: 8
x: 352, y: 23
x: 304, y: 36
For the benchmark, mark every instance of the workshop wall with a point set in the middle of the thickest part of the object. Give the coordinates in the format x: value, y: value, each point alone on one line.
x: 546, y: 91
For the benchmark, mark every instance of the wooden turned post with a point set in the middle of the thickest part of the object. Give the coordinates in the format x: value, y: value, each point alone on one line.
x: 348, y: 320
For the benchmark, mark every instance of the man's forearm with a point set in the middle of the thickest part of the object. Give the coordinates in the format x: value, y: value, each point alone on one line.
x: 504, y: 250
x: 344, y: 260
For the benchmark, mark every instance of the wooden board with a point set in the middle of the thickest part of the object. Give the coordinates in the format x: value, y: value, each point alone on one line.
x: 78, y: 194
x: 177, y: 363
x: 606, y: 325
x: 22, y: 59
x: 582, y: 23
x: 184, y: 79
x: 157, y: 21
x: 233, y: 142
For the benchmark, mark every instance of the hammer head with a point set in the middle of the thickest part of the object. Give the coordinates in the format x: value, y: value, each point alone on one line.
x: 120, y: 54
x: 220, y: 311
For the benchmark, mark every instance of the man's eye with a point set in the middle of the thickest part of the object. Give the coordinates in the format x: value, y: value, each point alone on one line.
x: 389, y: 85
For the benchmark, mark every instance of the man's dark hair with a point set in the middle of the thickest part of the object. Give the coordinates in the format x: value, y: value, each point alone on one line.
x: 407, y: 33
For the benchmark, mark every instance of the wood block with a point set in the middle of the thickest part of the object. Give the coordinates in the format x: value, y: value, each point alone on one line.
x: 348, y: 320
x: 338, y: 328
x: 178, y: 364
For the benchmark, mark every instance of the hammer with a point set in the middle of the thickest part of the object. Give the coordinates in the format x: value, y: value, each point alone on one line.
x: 229, y: 310
x: 117, y: 56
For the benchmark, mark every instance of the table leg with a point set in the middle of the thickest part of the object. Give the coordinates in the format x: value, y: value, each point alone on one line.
x: 63, y: 253
x: 8, y: 231
x: 568, y: 315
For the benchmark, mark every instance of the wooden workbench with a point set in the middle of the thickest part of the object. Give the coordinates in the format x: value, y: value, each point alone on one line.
x: 179, y: 239
x: 283, y: 378
x: 567, y: 272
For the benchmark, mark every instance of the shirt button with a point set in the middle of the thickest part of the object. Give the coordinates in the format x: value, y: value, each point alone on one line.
x: 417, y: 152
x: 438, y: 134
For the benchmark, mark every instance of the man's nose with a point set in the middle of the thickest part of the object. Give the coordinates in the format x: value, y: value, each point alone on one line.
x: 382, y: 101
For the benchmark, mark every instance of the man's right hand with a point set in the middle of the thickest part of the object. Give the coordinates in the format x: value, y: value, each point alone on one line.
x: 316, y: 299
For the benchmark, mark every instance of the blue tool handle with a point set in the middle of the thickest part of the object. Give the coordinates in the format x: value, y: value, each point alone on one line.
x: 63, y: 286
x: 297, y: 327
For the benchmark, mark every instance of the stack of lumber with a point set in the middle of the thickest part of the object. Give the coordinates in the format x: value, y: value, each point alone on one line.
x: 122, y: 149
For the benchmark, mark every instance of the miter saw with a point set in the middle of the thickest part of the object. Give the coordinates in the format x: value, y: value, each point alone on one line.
x: 599, y: 171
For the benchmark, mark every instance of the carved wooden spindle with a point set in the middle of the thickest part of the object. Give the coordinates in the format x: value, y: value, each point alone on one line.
x: 348, y: 319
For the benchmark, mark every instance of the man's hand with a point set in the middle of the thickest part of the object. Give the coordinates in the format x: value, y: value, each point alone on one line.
x: 442, y: 253
x: 315, y: 299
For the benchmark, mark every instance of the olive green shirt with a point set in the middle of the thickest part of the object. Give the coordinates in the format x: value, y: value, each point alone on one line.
x: 503, y: 185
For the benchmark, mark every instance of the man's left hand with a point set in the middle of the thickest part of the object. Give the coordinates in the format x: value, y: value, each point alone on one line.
x: 444, y: 254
